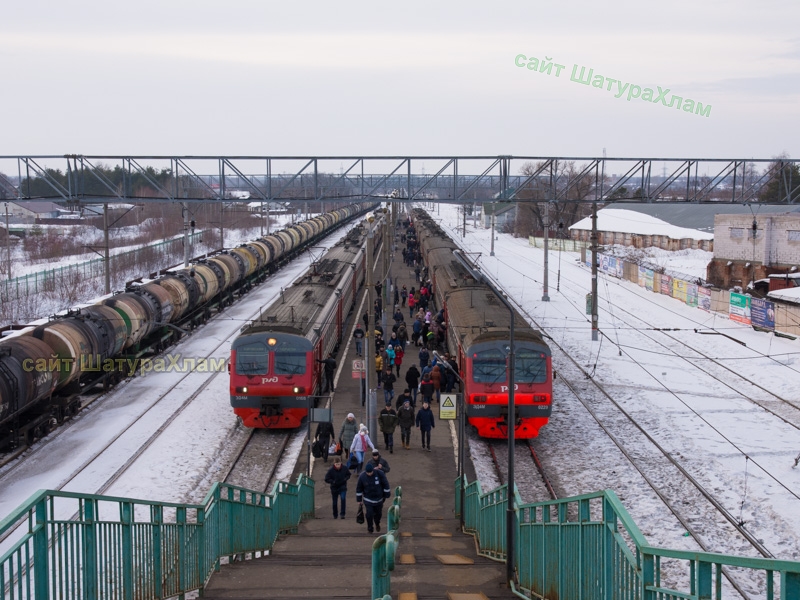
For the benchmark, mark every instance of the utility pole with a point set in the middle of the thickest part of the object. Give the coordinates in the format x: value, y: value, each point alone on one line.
x: 105, y: 249
x: 595, y: 323
x: 261, y: 215
x: 464, y: 208
x: 8, y: 244
x: 491, y: 251
x: 221, y: 224
x: 186, y: 248
x: 369, y: 352
x: 546, y: 221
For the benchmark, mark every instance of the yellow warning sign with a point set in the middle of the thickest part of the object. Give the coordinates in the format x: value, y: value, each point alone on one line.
x: 447, y: 408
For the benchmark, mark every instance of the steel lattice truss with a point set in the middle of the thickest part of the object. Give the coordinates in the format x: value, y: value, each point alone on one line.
x: 79, y: 179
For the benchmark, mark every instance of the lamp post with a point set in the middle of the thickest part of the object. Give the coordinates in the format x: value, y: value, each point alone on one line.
x: 510, y: 511
x: 461, y: 437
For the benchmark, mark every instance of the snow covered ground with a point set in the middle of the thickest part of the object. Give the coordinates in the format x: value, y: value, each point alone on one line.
x: 734, y: 448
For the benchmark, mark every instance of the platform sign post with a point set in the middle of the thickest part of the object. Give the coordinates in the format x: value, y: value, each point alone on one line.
x: 447, y: 407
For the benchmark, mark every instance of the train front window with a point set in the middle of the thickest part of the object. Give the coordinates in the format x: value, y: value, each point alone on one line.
x: 530, y: 366
x: 489, y: 366
x: 290, y: 358
x: 252, y: 359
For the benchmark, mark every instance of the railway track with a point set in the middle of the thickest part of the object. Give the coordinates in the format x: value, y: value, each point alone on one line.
x: 525, y: 455
x: 257, y: 461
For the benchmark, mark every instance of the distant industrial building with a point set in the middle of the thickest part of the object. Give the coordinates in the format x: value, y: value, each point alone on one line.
x: 28, y: 212
x: 748, y: 247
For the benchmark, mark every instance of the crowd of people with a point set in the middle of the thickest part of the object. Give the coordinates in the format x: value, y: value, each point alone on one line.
x: 425, y: 379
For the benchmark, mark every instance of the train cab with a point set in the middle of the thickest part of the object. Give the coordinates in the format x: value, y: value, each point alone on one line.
x: 271, y: 378
x: 487, y: 379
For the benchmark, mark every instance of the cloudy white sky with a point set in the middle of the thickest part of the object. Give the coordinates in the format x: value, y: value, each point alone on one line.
x: 256, y: 77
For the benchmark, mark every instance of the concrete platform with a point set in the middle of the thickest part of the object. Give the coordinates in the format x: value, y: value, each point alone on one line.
x: 332, y: 558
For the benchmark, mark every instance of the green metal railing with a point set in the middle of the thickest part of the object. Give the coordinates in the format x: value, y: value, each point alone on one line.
x: 384, y: 549
x: 84, y: 546
x: 588, y: 547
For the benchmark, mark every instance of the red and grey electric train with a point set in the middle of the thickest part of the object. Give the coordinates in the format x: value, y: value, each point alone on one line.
x: 274, y: 373
x: 478, y: 331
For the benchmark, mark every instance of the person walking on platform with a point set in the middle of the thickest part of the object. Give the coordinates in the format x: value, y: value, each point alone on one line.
x: 379, y: 462
x: 330, y: 369
x: 388, y: 385
x: 387, y: 421
x: 412, y: 379
x: 379, y: 367
x: 399, y: 353
x: 425, y: 423
x: 371, y: 490
x: 347, y: 433
x: 402, y: 398
x: 405, y: 418
x: 337, y: 477
x: 324, y: 435
x: 424, y: 357
x: 358, y: 336
x: 360, y: 445
x: 436, y: 378
x: 426, y: 388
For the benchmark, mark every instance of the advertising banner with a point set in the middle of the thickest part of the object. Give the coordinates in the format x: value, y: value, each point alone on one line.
x: 704, y: 298
x: 691, y: 294
x: 648, y: 279
x: 762, y: 313
x: 679, y: 289
x: 740, y: 308
x: 642, y: 276
x: 666, y: 285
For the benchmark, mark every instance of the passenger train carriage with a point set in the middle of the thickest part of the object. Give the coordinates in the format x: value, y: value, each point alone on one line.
x: 274, y: 370
x: 478, y: 332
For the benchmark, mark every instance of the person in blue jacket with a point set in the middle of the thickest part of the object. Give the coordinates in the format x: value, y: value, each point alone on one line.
x: 425, y: 423
x: 371, y: 490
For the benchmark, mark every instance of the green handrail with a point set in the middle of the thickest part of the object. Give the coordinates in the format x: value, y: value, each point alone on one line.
x: 384, y: 548
x: 86, y: 547
x: 589, y: 547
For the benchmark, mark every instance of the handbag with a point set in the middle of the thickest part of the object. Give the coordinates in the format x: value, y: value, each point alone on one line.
x: 338, y: 450
x: 353, y: 462
x: 332, y: 448
x: 360, y: 514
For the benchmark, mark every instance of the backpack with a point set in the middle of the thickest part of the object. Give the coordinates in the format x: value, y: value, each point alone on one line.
x: 316, y: 449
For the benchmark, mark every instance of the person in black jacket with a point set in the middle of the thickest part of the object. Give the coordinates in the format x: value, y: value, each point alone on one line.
x: 337, y: 477
x: 425, y: 423
x: 330, y: 369
x: 412, y: 379
x: 325, y: 435
x: 371, y: 490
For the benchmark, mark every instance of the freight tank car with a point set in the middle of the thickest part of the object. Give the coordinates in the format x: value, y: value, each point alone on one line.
x: 275, y: 373
x: 43, y: 368
x: 478, y: 333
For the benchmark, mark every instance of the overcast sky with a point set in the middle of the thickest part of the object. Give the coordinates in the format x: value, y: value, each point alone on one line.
x: 255, y: 77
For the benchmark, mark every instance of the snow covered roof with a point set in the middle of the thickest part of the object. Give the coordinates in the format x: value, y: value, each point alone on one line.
x: 791, y: 294
x: 631, y: 221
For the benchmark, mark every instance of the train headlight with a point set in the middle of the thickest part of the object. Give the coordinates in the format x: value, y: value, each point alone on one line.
x: 541, y: 398
x: 299, y: 390
x: 479, y: 398
x: 241, y: 390
x: 272, y: 341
